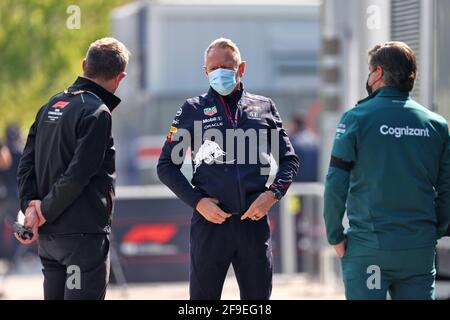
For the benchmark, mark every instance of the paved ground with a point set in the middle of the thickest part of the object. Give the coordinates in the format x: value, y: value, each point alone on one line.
x: 25, y: 287
x: 26, y: 284
x: 298, y: 287
x: 285, y: 288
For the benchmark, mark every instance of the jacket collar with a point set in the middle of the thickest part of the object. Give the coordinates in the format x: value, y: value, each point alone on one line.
x: 386, y: 92
x: 84, y: 84
x: 238, y: 94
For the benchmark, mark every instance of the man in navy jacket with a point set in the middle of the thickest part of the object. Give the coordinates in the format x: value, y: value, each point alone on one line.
x: 234, y: 136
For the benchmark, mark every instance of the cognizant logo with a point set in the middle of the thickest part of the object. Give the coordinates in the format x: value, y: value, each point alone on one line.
x: 406, y: 131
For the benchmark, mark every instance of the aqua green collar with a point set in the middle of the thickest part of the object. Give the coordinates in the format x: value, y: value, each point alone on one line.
x: 386, y: 92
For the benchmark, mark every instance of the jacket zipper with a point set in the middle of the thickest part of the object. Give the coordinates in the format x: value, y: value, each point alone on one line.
x: 234, y: 124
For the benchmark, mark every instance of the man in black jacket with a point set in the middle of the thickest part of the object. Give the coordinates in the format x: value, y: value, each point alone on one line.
x: 66, y: 177
x: 233, y: 135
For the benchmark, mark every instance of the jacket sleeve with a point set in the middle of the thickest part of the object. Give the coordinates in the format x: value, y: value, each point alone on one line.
x: 288, y: 162
x: 442, y: 201
x: 343, y: 158
x: 172, y: 156
x: 26, y: 176
x: 92, y: 141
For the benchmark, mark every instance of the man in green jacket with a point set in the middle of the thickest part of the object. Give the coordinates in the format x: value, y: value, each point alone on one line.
x: 390, y: 170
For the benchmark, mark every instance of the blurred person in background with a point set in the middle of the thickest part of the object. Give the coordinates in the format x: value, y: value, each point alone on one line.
x: 306, y: 145
x: 8, y: 182
x: 390, y: 169
x: 5, y: 165
x: 231, y: 199
x: 5, y: 157
x: 66, y: 177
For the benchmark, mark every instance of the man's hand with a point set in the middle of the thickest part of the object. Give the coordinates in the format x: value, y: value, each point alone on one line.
x: 208, y: 208
x: 341, y: 248
x: 31, y: 222
x: 36, y: 204
x: 260, y: 207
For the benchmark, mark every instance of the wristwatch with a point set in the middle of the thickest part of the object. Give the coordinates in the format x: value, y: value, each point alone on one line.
x: 276, y: 194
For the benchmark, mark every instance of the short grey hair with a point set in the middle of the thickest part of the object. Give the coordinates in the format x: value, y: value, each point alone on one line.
x: 224, y: 43
x: 106, y: 58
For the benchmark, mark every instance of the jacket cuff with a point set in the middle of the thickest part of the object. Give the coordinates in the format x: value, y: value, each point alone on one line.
x: 443, y: 231
x: 337, y: 240
x: 195, y: 199
x: 279, y: 191
x: 24, y: 205
x: 46, y: 212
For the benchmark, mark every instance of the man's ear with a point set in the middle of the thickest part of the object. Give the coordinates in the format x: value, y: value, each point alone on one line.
x: 83, y: 65
x: 242, y: 67
x: 120, y: 77
x: 379, y: 73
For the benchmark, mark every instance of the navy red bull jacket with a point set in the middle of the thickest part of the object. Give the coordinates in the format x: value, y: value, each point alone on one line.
x: 222, y: 138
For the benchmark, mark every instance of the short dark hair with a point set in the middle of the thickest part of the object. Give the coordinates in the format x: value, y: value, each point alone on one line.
x: 106, y: 58
x: 399, y: 64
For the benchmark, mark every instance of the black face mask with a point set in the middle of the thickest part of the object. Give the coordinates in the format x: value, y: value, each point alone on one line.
x: 369, y: 88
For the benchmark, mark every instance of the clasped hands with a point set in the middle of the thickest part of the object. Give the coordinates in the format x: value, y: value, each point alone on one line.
x: 33, y: 220
x: 209, y: 209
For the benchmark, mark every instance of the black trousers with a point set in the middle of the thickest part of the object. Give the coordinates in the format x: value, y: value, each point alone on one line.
x: 244, y: 244
x: 75, y: 267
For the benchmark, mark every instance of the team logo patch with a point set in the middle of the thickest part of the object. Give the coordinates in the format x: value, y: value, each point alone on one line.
x: 210, y: 111
x: 207, y: 153
x: 253, y: 113
x: 60, y: 104
x: 341, y: 130
x: 172, y: 130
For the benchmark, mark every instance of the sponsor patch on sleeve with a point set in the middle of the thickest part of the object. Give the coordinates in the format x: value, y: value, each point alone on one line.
x: 341, y: 129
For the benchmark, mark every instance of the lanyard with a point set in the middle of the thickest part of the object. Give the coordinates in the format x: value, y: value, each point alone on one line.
x: 228, y: 112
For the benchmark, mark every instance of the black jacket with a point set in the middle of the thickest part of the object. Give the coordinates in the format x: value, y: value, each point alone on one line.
x: 69, y: 161
x: 236, y: 184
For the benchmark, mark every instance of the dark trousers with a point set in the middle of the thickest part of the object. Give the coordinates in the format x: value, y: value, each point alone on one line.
x: 75, y: 267
x: 244, y: 244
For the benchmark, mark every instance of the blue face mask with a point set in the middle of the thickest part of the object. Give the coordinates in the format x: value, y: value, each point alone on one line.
x: 223, y: 81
